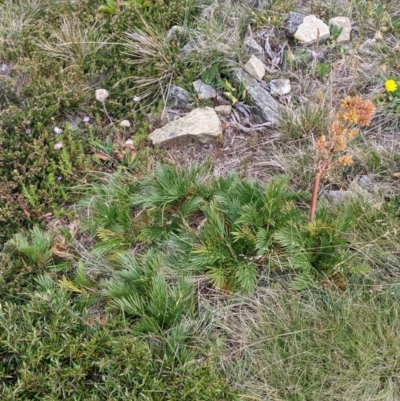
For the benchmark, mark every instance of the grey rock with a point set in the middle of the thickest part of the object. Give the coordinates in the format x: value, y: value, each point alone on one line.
x: 292, y: 23
x: 312, y: 30
x: 251, y: 47
x: 345, y: 24
x: 204, y: 91
x: 5, y: 69
x: 179, y: 97
x: 73, y: 124
x: 189, y: 48
x: 253, y: 4
x: 280, y: 87
x: 337, y: 196
x: 368, y: 47
x: 266, y: 108
x: 175, y: 32
x: 201, y: 125
x: 365, y: 181
x: 255, y: 68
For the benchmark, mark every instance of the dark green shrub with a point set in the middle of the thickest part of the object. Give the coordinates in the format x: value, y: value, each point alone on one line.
x: 54, y: 349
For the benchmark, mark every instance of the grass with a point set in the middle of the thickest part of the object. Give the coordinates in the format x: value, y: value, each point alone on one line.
x: 133, y: 273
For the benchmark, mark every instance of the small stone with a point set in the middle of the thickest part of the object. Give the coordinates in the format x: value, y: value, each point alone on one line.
x: 345, y: 24
x: 201, y: 125
x: 280, y: 87
x: 204, y: 91
x: 223, y: 109
x: 189, y: 48
x: 174, y: 32
x: 179, y: 97
x: 312, y: 30
x: 365, y: 181
x: 255, y: 68
x: 368, y: 47
x: 292, y: 23
x: 251, y: 47
x: 337, y: 196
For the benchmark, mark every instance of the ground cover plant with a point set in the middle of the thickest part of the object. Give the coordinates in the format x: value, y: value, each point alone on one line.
x: 131, y: 272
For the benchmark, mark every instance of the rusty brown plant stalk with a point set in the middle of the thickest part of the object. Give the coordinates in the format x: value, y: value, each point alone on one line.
x: 353, y: 113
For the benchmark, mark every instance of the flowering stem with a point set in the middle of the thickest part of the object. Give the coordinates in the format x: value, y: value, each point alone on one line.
x: 105, y: 110
x: 314, y: 196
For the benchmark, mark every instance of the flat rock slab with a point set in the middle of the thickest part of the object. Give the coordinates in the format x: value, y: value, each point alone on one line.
x: 312, y: 30
x: 201, y: 125
x: 265, y: 107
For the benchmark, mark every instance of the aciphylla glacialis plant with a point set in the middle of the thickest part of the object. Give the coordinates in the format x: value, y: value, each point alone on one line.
x: 353, y: 113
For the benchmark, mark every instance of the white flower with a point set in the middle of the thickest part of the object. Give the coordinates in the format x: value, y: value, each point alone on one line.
x: 58, y: 130
x: 129, y: 142
x: 125, y: 124
x: 137, y: 99
x: 101, y: 95
x: 58, y: 145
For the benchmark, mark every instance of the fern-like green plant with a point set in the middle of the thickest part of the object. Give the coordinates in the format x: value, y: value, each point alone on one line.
x: 236, y: 236
x: 161, y: 309
x: 24, y: 256
x: 169, y: 198
x: 109, y: 217
x: 319, y: 251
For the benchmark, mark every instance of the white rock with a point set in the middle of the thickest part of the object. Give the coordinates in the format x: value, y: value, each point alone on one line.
x: 311, y: 30
x: 345, y: 24
x: 255, y: 68
x: 201, y: 125
x: 224, y: 109
x: 280, y: 87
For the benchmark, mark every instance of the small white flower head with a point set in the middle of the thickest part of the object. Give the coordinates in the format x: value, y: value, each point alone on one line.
x: 137, y: 99
x: 58, y: 145
x: 58, y: 130
x: 86, y: 119
x: 129, y: 142
x: 125, y: 124
x: 101, y: 95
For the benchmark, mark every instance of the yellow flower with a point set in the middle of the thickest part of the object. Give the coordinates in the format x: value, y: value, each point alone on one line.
x: 391, y: 85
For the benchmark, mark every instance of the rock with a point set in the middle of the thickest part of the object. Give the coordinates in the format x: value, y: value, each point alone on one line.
x: 223, y: 109
x: 252, y: 4
x: 5, y: 69
x: 368, y: 47
x: 251, y: 47
x: 189, y: 48
x: 73, y: 123
x: 201, y: 125
x: 179, y: 97
x: 175, y: 32
x: 345, y: 24
x: 280, y: 87
x: 204, y: 91
x: 266, y: 108
x: 312, y: 30
x: 255, y: 68
x: 337, y: 196
x: 365, y: 181
x: 292, y: 23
